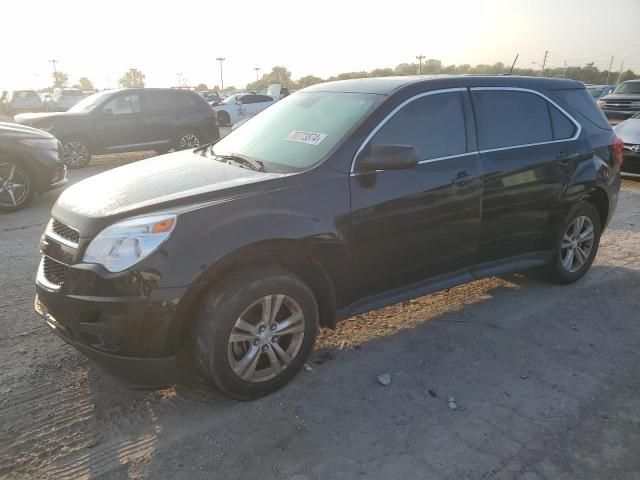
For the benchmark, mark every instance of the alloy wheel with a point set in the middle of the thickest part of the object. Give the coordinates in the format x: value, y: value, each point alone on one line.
x: 75, y: 154
x: 577, y: 243
x: 189, y: 140
x: 266, y: 338
x: 14, y: 185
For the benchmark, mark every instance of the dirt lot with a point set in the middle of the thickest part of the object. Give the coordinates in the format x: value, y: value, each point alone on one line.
x: 545, y: 379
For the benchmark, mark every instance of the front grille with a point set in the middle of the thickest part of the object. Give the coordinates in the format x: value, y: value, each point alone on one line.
x: 54, y: 271
x: 618, y: 104
x: 65, y: 231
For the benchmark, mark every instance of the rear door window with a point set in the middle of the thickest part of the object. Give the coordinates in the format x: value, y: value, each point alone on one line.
x: 434, y: 124
x: 580, y: 101
x: 563, y: 128
x: 511, y: 118
x: 158, y: 102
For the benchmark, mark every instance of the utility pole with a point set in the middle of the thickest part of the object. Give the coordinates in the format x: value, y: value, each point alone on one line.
x: 221, y: 59
x: 53, y: 62
x: 564, y: 73
x: 179, y: 75
x: 420, y: 58
x: 257, y: 69
x: 620, y: 72
x: 609, y: 71
x: 544, y: 62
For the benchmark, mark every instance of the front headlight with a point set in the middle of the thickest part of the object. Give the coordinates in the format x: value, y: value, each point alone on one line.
x: 125, y: 243
x: 601, y: 103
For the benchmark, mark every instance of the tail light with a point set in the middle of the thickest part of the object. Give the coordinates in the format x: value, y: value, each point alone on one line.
x: 618, y: 147
x: 215, y: 114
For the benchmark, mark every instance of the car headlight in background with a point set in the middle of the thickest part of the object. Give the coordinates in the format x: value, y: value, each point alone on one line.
x: 125, y: 243
x: 601, y: 103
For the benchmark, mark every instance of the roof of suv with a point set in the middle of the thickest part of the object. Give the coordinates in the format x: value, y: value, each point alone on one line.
x: 389, y: 85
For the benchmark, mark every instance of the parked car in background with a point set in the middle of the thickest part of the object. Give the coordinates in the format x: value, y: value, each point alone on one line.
x: 20, y: 101
x: 62, y: 99
x: 211, y: 97
x: 599, y: 91
x: 242, y: 106
x: 342, y: 198
x: 623, y: 102
x: 129, y: 120
x: 629, y: 132
x: 30, y: 162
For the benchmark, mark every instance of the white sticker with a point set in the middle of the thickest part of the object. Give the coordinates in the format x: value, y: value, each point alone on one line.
x: 309, y: 138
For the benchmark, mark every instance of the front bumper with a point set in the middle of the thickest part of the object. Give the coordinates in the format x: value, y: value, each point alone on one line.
x: 138, y: 371
x: 631, y: 162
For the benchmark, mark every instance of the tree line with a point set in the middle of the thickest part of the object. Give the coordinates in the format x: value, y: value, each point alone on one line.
x: 589, y: 73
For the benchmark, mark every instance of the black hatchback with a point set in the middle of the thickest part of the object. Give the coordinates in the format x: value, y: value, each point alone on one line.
x: 128, y: 120
x: 342, y: 198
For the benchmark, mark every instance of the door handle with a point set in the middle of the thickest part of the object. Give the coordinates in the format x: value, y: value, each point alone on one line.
x: 564, y: 158
x: 462, y: 178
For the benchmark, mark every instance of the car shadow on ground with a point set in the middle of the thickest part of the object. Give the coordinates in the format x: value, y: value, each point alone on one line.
x: 516, y: 356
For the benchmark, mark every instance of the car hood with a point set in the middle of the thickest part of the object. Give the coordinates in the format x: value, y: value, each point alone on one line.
x: 629, y: 130
x: 15, y: 130
x: 28, y: 118
x: 159, y: 183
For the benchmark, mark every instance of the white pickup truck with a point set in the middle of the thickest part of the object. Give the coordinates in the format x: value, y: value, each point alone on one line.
x: 241, y: 106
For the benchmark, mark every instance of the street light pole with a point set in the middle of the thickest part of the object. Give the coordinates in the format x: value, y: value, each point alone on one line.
x: 53, y: 62
x: 221, y: 59
x: 257, y: 69
x: 420, y: 58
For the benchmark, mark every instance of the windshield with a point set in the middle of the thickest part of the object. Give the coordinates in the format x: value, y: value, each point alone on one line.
x: 595, y: 91
x: 632, y: 88
x: 299, y: 131
x: 231, y: 99
x: 89, y: 103
x: 72, y: 93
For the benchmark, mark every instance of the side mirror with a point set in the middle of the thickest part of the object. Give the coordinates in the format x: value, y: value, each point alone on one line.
x: 388, y: 157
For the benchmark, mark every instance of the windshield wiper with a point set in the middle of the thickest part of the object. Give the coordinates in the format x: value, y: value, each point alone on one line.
x: 256, y: 165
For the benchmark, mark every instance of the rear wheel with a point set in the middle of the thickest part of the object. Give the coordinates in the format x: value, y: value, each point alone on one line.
x: 577, y: 244
x: 223, y: 119
x: 16, y: 188
x: 75, y: 153
x: 255, y: 331
x: 188, y: 140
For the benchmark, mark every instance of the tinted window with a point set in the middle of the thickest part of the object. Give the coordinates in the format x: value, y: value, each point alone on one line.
x: 123, y: 105
x: 249, y: 99
x: 583, y: 103
x: 263, y: 98
x: 158, y: 102
x: 433, y: 124
x: 562, y: 126
x: 510, y: 118
x: 187, y: 101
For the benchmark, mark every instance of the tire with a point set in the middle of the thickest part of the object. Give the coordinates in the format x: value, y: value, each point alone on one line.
x: 75, y: 153
x: 576, y: 247
x: 236, y: 306
x: 223, y: 119
x: 188, y: 139
x: 16, y: 186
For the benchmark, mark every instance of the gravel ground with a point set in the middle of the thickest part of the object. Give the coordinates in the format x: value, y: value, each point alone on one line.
x: 544, y: 379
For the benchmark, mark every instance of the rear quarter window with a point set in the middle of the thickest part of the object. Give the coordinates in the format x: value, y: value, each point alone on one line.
x: 187, y: 102
x: 580, y: 101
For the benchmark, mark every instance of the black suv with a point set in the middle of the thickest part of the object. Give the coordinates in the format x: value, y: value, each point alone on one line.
x: 341, y: 198
x: 128, y: 120
x: 30, y: 161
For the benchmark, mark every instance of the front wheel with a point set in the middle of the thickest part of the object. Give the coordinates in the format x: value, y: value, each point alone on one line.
x: 75, y: 153
x: 16, y: 188
x: 577, y: 244
x: 254, y: 332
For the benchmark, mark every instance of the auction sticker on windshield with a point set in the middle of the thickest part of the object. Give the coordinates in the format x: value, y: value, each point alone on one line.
x: 309, y: 138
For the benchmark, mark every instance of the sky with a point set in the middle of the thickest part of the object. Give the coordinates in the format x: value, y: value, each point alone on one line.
x: 101, y: 40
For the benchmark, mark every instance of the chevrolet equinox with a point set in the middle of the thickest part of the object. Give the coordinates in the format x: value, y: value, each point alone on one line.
x: 342, y: 198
